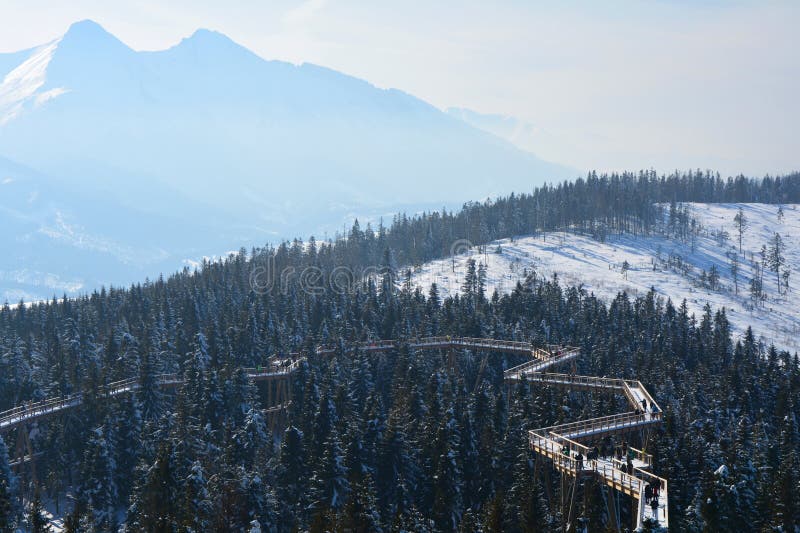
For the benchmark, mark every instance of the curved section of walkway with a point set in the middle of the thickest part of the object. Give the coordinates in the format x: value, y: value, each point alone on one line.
x: 562, y: 444
x: 29, y: 412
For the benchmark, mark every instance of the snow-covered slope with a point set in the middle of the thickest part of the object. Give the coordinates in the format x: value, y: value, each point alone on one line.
x: 21, y: 88
x: 581, y: 260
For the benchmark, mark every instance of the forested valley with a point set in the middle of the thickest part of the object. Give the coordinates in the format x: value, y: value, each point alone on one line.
x: 400, y: 441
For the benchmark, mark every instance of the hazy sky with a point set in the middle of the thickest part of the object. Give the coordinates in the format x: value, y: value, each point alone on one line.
x: 608, y: 85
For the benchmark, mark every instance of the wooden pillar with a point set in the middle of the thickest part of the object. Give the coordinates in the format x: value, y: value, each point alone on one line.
x: 613, y: 508
x: 23, y: 448
x: 572, y: 506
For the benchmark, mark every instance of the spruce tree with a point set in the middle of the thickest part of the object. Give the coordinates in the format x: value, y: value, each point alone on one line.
x: 36, y: 519
x: 6, y: 509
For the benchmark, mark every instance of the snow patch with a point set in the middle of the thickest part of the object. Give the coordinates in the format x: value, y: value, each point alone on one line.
x: 46, y: 96
x: 21, y: 84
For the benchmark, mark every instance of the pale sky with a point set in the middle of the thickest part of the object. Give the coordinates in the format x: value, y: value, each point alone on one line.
x: 608, y: 85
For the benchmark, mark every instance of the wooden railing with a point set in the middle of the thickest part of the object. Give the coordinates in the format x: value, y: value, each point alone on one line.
x: 533, y: 369
x: 572, y: 380
x: 445, y: 342
x: 630, y: 386
x: 31, y: 411
x: 603, y: 425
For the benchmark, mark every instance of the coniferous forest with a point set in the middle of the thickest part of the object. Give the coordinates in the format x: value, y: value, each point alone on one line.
x: 400, y: 441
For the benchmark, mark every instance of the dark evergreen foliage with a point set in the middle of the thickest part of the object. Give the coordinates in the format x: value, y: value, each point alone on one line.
x: 400, y: 441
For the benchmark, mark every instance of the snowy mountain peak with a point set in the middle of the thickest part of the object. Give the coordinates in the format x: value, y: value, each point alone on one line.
x: 50, y: 69
x: 209, y: 46
x: 206, y: 36
x: 87, y: 29
x: 87, y: 38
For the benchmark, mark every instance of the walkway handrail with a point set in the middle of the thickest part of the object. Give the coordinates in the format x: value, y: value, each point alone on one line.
x: 445, y: 342
x: 633, y: 384
x: 575, y: 379
x: 555, y: 447
x: 593, y: 425
x: 25, y: 412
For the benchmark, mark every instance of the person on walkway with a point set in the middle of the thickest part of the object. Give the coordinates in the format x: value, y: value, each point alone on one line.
x: 654, y: 506
x: 655, y: 489
x: 579, y: 458
x: 644, y: 405
x: 648, y: 493
x: 624, y: 448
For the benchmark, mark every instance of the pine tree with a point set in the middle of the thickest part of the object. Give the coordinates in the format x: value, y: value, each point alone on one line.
x: 36, y: 519
x: 292, y: 473
x: 361, y: 512
x: 713, y: 277
x: 124, y: 439
x: 470, y: 286
x: 155, y: 499
x: 447, y: 495
x: 735, y: 271
x: 741, y: 223
x: 785, y: 497
x: 6, y: 509
x: 9, y: 500
x: 395, y: 468
x: 775, y: 258
x: 99, y: 473
x: 197, y: 508
x: 329, y: 483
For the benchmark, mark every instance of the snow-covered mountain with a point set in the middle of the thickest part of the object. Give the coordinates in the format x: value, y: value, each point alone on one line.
x: 673, y: 267
x: 220, y: 148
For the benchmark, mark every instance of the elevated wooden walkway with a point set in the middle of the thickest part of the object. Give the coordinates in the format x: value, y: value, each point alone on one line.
x: 443, y: 343
x: 278, y: 369
x: 562, y: 444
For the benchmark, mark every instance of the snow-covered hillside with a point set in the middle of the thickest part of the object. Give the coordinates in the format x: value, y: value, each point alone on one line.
x: 598, y: 266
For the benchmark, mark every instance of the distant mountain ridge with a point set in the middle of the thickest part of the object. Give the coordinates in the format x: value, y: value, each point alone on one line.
x: 209, y: 135
x: 521, y: 134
